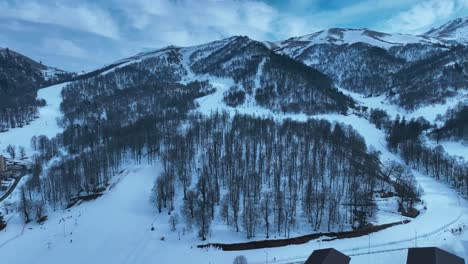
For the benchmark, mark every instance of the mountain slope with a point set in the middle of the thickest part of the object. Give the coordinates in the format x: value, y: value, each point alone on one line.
x: 431, y: 80
x: 455, y: 30
x: 259, y: 75
x: 20, y: 78
x: 375, y: 63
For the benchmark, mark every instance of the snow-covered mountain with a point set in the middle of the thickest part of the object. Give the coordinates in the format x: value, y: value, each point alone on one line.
x: 455, y: 30
x: 258, y: 75
x: 340, y: 36
x: 373, y: 63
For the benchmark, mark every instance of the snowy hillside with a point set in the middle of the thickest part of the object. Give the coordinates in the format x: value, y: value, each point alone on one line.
x: 454, y: 30
x: 406, y: 69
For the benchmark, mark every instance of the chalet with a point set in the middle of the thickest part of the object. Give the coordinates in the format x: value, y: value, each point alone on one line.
x: 432, y: 255
x: 328, y: 256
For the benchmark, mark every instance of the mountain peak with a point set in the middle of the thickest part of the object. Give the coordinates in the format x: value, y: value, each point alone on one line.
x: 454, y: 30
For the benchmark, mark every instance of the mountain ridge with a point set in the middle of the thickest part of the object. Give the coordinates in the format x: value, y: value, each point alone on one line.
x: 454, y: 30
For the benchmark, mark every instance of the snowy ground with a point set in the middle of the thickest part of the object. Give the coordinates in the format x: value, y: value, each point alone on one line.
x: 116, y: 228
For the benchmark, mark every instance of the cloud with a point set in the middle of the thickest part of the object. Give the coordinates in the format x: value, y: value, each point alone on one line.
x: 81, y: 17
x: 70, y: 31
x: 191, y: 22
x: 422, y: 16
x: 64, y: 47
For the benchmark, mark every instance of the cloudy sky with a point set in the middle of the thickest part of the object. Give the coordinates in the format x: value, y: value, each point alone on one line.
x: 81, y: 35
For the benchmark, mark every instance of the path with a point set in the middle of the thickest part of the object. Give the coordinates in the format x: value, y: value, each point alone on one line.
x: 12, y: 187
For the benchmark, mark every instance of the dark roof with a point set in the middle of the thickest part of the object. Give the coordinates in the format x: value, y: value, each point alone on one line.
x: 327, y: 256
x: 432, y: 255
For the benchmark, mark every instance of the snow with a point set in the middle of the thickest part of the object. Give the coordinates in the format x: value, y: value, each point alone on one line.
x: 455, y: 30
x: 116, y: 228
x: 342, y: 36
x: 429, y: 112
x: 214, y: 102
x: 51, y: 73
x: 445, y: 209
x: 454, y: 148
x: 46, y: 124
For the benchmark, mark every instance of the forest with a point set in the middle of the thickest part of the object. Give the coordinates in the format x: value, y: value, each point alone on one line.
x: 407, y: 139
x: 455, y: 124
x: 265, y: 177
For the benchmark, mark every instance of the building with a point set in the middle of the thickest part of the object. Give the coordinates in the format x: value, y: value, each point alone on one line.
x: 432, y: 255
x: 327, y: 256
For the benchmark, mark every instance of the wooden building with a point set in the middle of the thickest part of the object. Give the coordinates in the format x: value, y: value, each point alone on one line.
x: 328, y: 256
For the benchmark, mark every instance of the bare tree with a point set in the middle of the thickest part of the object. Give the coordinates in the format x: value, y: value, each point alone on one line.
x: 173, y: 221
x: 12, y: 151
x: 22, y: 152
x: 25, y: 205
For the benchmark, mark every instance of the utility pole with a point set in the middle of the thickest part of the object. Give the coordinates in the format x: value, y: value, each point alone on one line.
x: 368, y: 251
x: 266, y: 256
x: 415, y: 238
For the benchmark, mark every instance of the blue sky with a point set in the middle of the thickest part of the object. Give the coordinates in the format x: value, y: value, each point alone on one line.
x: 81, y: 35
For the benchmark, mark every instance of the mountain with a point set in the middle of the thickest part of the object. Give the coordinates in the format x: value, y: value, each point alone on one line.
x: 431, y: 80
x: 373, y: 63
x: 455, y: 30
x: 20, y: 78
x: 359, y: 60
x: 256, y: 75
x: 340, y: 36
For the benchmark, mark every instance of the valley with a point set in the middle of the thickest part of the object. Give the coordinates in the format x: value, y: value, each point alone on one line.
x: 234, y: 141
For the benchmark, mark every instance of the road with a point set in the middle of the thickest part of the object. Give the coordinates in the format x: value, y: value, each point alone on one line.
x: 13, y: 186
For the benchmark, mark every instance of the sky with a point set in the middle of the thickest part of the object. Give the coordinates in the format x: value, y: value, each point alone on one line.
x: 86, y: 34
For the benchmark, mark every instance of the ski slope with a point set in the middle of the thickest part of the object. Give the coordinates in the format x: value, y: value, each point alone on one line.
x: 45, y: 124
